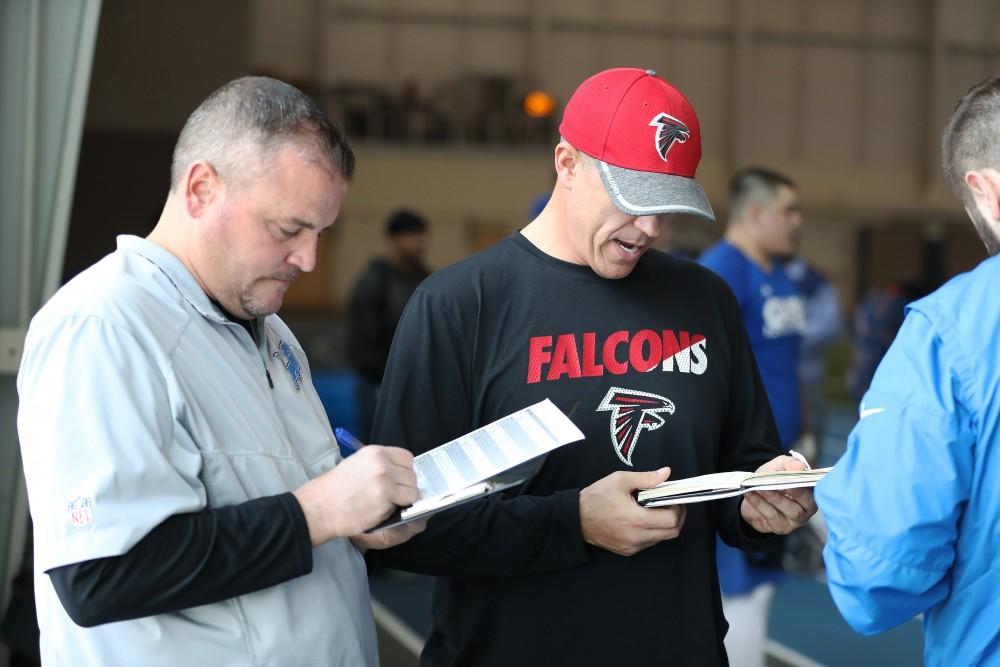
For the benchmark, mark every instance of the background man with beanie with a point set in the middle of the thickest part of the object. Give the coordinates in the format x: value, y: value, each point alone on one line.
x: 568, y: 569
x: 377, y: 302
x: 764, y: 224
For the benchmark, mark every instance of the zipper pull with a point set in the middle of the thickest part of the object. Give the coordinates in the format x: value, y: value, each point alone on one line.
x: 270, y: 382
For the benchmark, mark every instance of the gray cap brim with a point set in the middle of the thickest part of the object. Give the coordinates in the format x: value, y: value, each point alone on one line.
x: 652, y: 193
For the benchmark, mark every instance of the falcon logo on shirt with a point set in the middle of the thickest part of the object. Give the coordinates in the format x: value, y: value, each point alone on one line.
x: 669, y: 130
x: 633, y: 412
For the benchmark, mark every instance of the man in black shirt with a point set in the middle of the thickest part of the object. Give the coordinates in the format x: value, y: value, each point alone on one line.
x: 568, y: 569
x: 377, y: 302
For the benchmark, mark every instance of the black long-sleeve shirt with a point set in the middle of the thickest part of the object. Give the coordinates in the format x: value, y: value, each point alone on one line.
x: 512, y: 326
x: 191, y: 560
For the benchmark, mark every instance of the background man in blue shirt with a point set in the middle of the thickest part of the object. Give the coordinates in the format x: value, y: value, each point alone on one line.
x: 764, y: 225
x: 911, y: 507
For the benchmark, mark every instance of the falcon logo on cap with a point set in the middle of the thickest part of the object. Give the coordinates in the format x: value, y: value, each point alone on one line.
x: 669, y: 130
x: 633, y: 412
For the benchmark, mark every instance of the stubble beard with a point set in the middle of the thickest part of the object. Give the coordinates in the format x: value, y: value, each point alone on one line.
x: 256, y: 307
x: 987, y: 234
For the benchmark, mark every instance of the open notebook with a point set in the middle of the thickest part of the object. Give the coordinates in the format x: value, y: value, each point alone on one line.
x: 492, y: 458
x: 726, y: 484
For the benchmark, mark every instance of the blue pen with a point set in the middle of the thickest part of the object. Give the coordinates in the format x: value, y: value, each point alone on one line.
x: 346, y: 440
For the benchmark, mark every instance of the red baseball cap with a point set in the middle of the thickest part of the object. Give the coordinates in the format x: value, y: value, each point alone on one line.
x: 645, y: 137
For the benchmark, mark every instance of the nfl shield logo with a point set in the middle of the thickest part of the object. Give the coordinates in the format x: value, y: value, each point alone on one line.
x: 81, y: 512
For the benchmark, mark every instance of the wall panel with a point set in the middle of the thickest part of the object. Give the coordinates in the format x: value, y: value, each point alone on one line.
x: 829, y: 113
x: 892, y: 122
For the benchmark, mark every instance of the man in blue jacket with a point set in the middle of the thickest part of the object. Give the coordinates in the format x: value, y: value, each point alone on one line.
x: 912, y: 510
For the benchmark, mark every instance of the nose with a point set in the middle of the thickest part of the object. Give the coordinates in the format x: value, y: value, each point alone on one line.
x: 648, y: 225
x: 303, y: 256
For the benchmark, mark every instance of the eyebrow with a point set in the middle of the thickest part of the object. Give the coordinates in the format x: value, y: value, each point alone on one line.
x: 298, y: 222
x: 302, y: 223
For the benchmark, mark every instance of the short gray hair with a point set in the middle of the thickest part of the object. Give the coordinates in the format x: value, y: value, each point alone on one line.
x: 240, y: 126
x: 971, y: 139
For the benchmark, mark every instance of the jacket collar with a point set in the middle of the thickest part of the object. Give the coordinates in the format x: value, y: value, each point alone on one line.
x: 176, y: 272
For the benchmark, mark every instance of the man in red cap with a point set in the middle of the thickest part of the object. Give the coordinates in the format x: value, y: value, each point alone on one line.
x: 567, y: 568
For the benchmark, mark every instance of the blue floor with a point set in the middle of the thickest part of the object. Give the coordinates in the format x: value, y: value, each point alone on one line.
x: 803, y: 615
x: 804, y: 618
x: 407, y: 595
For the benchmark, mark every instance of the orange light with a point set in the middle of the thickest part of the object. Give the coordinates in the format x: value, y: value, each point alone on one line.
x: 539, y: 104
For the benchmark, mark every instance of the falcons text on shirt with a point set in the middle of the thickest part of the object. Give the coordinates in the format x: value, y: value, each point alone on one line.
x: 571, y: 355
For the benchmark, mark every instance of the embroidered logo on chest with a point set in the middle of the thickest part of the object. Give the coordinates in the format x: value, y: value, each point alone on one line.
x: 286, y: 356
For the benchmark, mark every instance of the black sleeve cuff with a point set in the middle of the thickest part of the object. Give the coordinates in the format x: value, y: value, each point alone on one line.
x: 736, y: 532
x: 301, y: 539
x: 567, y: 515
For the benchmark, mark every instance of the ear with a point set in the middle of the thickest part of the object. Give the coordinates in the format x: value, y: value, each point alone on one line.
x: 752, y: 211
x: 568, y: 164
x: 985, y: 187
x: 202, y: 186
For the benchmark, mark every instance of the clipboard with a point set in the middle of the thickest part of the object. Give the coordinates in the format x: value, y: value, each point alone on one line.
x: 506, y: 480
x: 562, y: 434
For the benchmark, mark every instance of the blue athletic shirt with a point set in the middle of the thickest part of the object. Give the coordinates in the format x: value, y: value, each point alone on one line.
x: 774, y: 315
x: 912, y: 505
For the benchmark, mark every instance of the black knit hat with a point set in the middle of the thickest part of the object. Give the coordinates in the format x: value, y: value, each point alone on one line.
x: 404, y: 221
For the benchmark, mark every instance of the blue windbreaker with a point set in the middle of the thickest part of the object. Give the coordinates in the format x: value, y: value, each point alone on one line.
x: 913, y: 507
